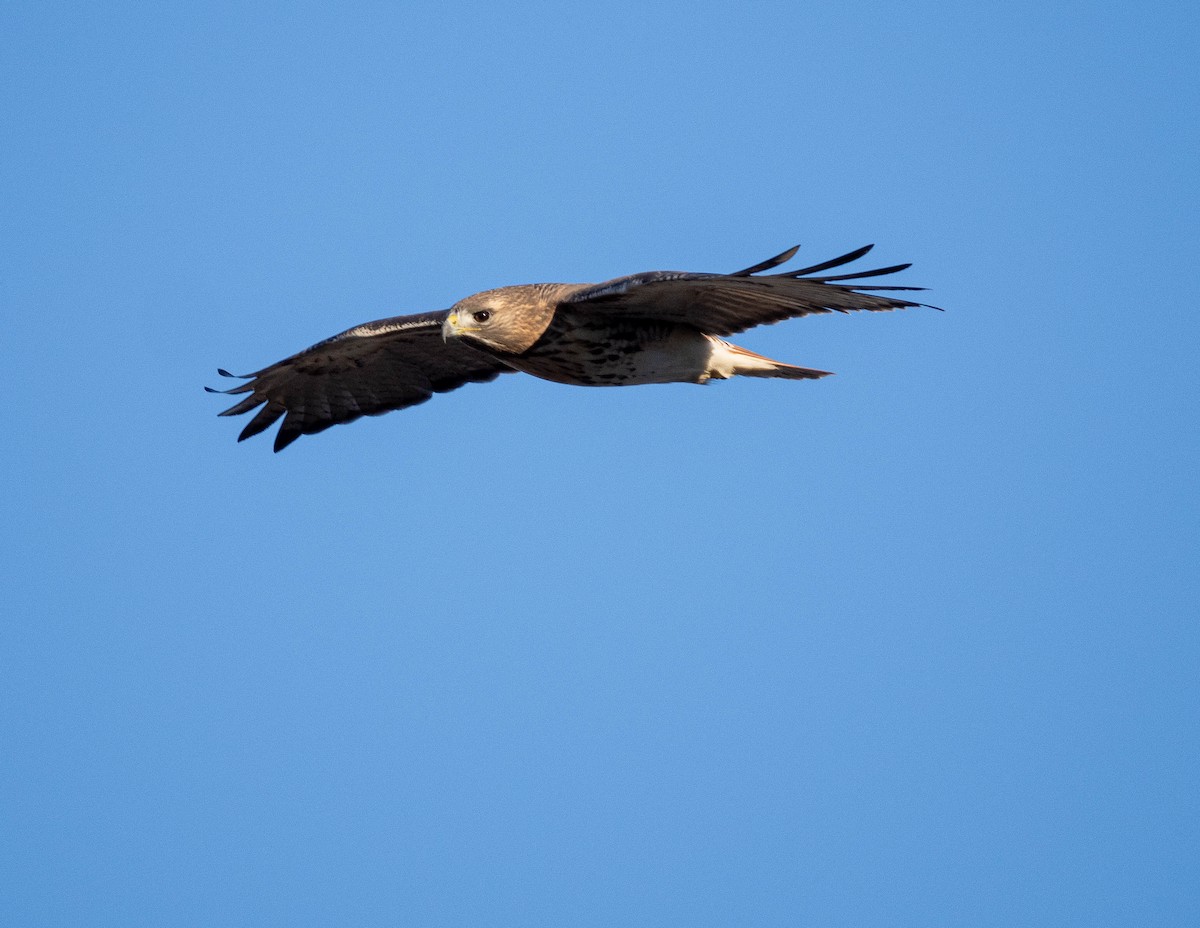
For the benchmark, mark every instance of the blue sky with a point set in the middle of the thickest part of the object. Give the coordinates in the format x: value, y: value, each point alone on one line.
x: 913, y: 645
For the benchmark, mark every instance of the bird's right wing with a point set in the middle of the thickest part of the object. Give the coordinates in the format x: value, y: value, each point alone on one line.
x: 365, y: 371
x: 722, y: 304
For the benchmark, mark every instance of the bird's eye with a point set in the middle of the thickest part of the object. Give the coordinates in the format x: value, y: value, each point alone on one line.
x: 482, y: 316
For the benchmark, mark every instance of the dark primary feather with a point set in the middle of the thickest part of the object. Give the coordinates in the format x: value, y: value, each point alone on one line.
x: 722, y: 304
x: 365, y: 371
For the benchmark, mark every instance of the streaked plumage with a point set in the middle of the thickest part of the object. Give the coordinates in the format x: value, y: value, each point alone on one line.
x: 655, y: 327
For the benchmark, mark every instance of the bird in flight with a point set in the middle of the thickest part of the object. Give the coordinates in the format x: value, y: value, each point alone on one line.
x: 654, y: 327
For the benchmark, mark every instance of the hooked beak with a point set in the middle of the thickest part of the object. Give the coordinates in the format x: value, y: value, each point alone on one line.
x: 453, y: 327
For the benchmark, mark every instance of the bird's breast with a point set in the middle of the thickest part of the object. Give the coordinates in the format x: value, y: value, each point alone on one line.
x: 588, y: 350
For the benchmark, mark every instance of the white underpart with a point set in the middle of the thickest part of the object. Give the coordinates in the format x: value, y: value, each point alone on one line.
x: 681, y: 356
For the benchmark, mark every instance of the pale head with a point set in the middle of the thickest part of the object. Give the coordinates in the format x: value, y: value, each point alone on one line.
x: 508, y: 319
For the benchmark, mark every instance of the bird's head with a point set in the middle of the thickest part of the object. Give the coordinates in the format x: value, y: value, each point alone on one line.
x: 508, y: 320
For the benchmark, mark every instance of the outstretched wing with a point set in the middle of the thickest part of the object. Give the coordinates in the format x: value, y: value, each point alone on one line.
x: 721, y: 304
x: 365, y: 371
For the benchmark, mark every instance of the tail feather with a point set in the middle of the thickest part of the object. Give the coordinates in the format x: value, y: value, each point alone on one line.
x: 729, y: 360
x: 789, y: 372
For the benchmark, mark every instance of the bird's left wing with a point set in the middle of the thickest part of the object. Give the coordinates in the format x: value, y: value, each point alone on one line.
x: 365, y: 371
x: 723, y: 304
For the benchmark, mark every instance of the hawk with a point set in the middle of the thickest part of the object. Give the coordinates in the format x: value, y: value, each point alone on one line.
x: 654, y: 327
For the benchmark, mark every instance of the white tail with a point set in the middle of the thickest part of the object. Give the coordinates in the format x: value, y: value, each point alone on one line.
x: 727, y: 360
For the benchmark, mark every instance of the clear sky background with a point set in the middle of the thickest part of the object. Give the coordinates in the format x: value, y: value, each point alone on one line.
x: 913, y: 645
